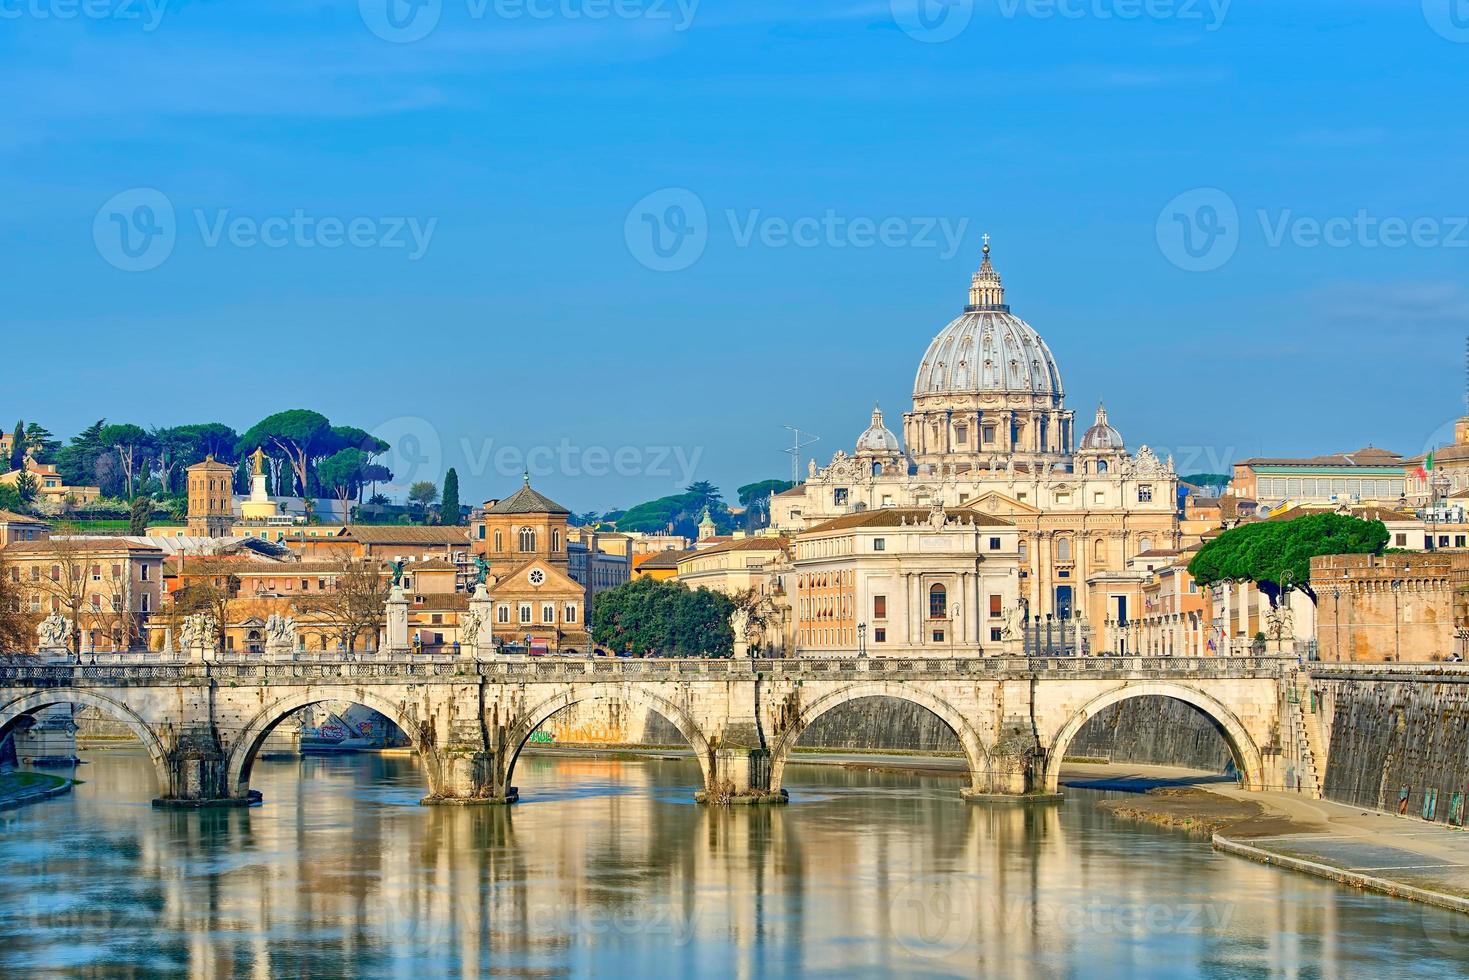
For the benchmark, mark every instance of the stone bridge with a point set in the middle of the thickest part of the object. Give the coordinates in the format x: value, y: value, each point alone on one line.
x: 468, y: 720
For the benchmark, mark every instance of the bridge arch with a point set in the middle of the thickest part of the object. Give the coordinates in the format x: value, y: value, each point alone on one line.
x: 242, y: 753
x: 633, y: 694
x: 14, y: 710
x: 969, y: 741
x: 1241, y: 745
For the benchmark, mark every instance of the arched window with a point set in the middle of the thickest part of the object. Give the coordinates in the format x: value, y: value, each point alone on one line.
x: 1063, y: 549
x: 1101, y: 466
x: 1146, y: 544
x: 499, y: 540
x: 527, y: 539
x: 1099, y: 550
x: 555, y: 540
x: 938, y: 602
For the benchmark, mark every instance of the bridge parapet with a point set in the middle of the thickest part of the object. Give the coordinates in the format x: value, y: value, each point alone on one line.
x: 151, y: 672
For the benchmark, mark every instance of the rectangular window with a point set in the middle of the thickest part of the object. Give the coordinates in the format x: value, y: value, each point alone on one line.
x: 1144, y: 494
x: 879, y: 544
x: 879, y: 635
x: 145, y: 603
x: 988, y: 432
x: 997, y: 606
x: 879, y: 607
x: 961, y: 434
x: 994, y: 544
x: 839, y: 496
x: 1402, y: 541
x: 481, y: 532
x: 1458, y: 541
x: 996, y: 634
x: 938, y: 636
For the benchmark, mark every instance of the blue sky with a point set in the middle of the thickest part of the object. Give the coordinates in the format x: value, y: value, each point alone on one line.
x: 535, y: 146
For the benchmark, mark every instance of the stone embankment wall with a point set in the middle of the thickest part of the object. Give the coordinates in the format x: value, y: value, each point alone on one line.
x: 1398, y: 742
x: 1153, y: 730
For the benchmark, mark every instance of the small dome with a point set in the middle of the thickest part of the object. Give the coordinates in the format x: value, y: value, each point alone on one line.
x: 878, y: 438
x: 1101, y: 436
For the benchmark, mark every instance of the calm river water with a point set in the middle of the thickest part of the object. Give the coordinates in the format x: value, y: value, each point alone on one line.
x: 608, y: 868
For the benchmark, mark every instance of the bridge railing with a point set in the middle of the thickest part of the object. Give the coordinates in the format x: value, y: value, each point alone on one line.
x: 151, y: 670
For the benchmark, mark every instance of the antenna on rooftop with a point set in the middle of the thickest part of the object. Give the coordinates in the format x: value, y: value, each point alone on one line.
x: 795, y: 450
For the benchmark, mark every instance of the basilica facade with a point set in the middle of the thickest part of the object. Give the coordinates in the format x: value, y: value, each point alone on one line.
x: 990, y: 435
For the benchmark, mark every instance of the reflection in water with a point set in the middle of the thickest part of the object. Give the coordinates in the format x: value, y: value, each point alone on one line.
x: 609, y: 867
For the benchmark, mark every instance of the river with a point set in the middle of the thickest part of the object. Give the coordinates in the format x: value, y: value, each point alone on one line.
x: 609, y: 868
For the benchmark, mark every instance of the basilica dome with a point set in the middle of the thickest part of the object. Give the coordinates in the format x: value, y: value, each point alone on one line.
x: 987, y: 349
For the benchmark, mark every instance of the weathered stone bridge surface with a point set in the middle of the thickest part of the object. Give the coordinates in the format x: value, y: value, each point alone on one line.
x: 204, y: 722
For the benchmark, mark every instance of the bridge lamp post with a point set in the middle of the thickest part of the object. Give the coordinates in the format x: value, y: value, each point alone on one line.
x: 1397, y: 639
x: 861, y: 639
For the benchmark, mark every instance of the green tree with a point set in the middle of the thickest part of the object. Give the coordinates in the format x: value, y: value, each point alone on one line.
x: 77, y: 460
x: 10, y: 499
x: 341, y: 473
x: 299, y: 435
x: 139, y: 516
x: 18, y: 447
x: 664, y: 619
x: 422, y: 493
x: 41, y: 445
x: 449, y: 506
x: 133, y: 447
x: 755, y: 498
x: 1276, y: 555
x: 26, y: 488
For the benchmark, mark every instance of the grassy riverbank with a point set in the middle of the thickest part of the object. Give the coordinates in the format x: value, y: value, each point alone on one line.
x: 21, y: 787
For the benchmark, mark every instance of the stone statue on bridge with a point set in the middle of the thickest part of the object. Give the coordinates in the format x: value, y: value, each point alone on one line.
x: 280, y: 635
x: 54, y: 632
x: 198, y: 635
x: 469, y: 630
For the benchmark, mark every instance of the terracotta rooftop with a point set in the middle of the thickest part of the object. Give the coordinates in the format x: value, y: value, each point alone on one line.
x: 665, y: 560
x: 403, y: 534
x: 1367, y: 456
x: 740, y: 544
x: 527, y: 501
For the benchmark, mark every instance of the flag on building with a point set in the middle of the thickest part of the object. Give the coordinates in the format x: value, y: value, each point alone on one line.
x: 1426, y: 468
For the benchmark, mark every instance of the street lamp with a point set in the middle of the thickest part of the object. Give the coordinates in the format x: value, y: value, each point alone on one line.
x: 1397, y: 637
x: 861, y: 639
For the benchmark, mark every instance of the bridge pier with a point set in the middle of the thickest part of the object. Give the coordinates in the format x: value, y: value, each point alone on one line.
x: 739, y: 775
x: 196, y: 775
